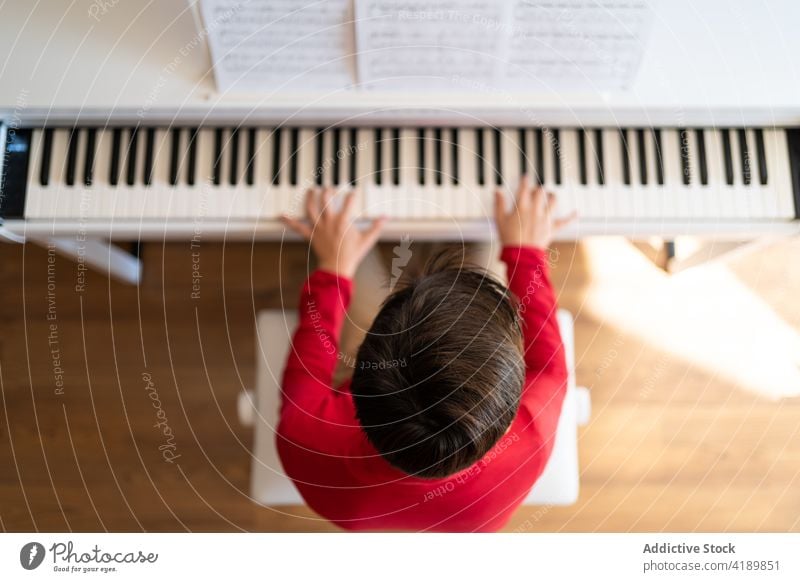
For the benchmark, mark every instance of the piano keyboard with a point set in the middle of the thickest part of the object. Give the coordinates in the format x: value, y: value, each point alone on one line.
x: 618, y: 179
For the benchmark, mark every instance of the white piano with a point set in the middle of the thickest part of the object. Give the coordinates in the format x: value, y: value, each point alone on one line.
x: 112, y: 130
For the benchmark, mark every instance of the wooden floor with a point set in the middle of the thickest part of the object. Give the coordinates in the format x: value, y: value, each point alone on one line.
x: 672, y: 445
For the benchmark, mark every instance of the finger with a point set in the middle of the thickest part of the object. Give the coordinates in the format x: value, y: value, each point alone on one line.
x: 499, y: 205
x: 539, y: 198
x: 299, y: 227
x: 552, y: 203
x: 312, y: 205
x: 327, y: 209
x: 347, y: 206
x: 560, y: 223
x: 524, y: 193
x: 373, y: 232
x: 524, y: 184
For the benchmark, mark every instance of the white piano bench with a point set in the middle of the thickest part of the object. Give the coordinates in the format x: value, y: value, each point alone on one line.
x: 558, y: 484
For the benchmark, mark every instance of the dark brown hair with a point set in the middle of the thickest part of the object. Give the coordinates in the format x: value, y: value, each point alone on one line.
x: 439, y: 376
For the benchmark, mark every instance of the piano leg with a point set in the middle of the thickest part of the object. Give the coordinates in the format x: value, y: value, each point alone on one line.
x: 99, y: 255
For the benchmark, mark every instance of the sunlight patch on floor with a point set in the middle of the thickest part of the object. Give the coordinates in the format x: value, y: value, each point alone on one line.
x: 704, y: 315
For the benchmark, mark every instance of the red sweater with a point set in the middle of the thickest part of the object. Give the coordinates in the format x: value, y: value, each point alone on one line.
x: 343, y: 478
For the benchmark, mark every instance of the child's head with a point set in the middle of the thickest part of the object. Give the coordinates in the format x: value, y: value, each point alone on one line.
x: 439, y: 376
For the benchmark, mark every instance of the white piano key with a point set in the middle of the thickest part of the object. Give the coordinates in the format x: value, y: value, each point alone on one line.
x: 615, y: 189
x: 778, y: 172
x: 182, y: 197
x: 104, y: 195
x: 201, y: 207
x: 69, y: 203
x: 718, y: 190
x: 714, y: 192
x: 467, y: 203
x: 450, y: 192
x: 429, y: 203
x: 327, y: 157
x: 597, y: 201
x: 758, y: 209
x: 552, y: 150
x: 34, y: 193
x: 653, y: 193
x: 571, y: 194
x: 738, y: 190
x: 697, y: 192
x: 767, y: 204
x: 136, y: 196
x: 157, y: 194
x: 485, y: 199
x: 365, y: 171
x: 306, y: 160
x: 404, y: 199
x: 678, y: 203
x: 57, y: 188
x: 638, y: 189
x: 512, y: 153
x: 261, y: 198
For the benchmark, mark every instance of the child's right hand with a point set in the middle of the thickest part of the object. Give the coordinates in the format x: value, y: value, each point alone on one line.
x: 531, y: 221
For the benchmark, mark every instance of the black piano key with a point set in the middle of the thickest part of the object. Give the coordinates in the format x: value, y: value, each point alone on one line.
x: 624, y: 155
x: 276, y: 155
x: 523, y: 150
x: 762, y: 157
x: 133, y: 139
x: 149, y: 153
x: 642, y: 149
x: 599, y: 157
x: 88, y: 160
x: 683, y: 144
x: 421, y: 157
x: 294, y: 156
x: 250, y: 173
x: 701, y: 156
x: 437, y: 156
x: 319, y: 146
x: 116, y: 146
x: 378, y: 156
x: 396, y: 156
x: 174, y: 158
x: 744, y: 153
x: 72, y: 156
x: 191, y: 166
x: 726, y: 150
x: 47, y: 149
x: 480, y: 157
x: 582, y: 158
x: 337, y: 146
x: 659, y: 156
x: 233, y: 169
x: 540, y: 176
x: 556, y: 136
x: 498, y: 156
x: 454, y: 154
x: 217, y: 162
x: 352, y: 152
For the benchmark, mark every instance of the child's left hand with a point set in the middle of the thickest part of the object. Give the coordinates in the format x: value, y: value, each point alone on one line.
x: 337, y: 243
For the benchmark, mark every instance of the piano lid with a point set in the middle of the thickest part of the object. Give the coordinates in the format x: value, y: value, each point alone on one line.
x: 709, y: 63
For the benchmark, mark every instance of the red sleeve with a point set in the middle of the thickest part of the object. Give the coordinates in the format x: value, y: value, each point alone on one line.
x: 308, y: 376
x: 545, y: 363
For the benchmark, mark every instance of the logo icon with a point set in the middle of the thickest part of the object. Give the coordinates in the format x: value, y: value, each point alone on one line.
x: 31, y: 555
x: 402, y: 255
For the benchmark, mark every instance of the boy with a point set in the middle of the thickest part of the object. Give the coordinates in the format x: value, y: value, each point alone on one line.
x: 457, y: 389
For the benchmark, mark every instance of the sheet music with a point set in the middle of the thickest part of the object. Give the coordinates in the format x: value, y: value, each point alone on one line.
x: 577, y: 44
x: 430, y: 45
x: 281, y: 44
x: 470, y: 45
